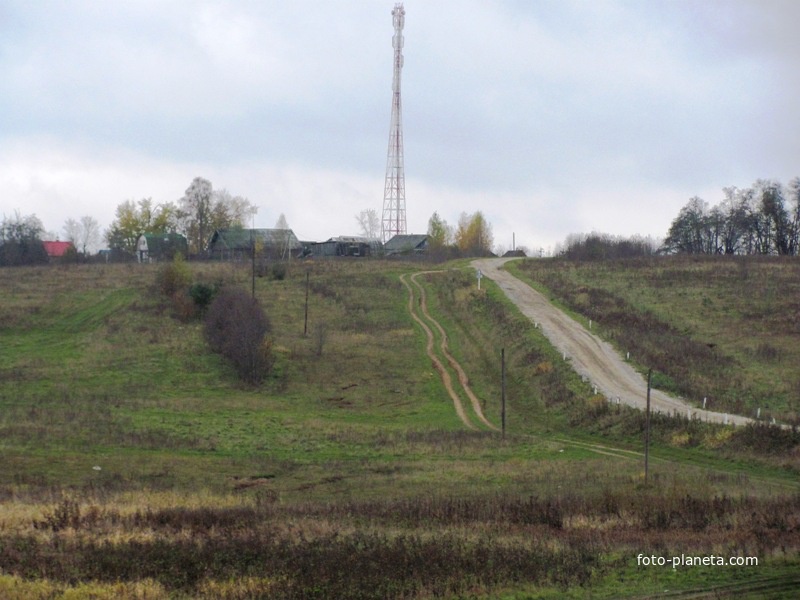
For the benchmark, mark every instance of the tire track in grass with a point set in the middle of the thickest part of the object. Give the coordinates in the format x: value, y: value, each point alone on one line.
x: 463, y: 380
x: 604, y: 450
x: 445, y: 375
x: 437, y: 364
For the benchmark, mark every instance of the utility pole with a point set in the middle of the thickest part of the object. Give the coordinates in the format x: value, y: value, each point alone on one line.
x: 647, y: 428
x: 253, y: 261
x: 305, y: 323
x: 503, y: 390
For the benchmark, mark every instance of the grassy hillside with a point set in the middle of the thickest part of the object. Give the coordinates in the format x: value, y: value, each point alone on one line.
x: 722, y: 328
x: 135, y: 465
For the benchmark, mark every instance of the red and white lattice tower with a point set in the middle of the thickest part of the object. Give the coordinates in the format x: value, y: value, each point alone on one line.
x: 394, y: 192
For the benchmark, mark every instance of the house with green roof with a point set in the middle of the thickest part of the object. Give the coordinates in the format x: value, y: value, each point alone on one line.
x: 236, y: 244
x: 157, y: 247
x: 407, y: 244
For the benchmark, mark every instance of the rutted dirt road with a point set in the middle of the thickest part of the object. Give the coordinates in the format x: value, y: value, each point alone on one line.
x: 463, y: 381
x: 590, y: 356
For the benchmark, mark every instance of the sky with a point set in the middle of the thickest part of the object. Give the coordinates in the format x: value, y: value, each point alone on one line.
x: 550, y: 117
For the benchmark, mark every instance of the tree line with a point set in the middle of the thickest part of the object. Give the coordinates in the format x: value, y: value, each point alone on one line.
x: 20, y: 240
x: 200, y: 212
x: 761, y: 219
x: 602, y: 246
x: 472, y: 236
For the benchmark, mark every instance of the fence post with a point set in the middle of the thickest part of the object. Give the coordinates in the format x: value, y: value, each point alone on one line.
x: 503, y: 390
x: 305, y: 323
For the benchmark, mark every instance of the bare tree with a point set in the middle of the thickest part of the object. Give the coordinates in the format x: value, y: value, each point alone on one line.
x: 202, y: 210
x: 762, y: 219
x: 72, y: 231
x: 231, y: 211
x: 195, y: 210
x: 282, y: 225
x: 794, y: 217
x: 369, y: 223
x: 691, y: 229
x: 84, y: 234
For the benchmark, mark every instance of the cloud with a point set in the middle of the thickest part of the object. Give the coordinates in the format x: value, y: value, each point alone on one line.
x: 555, y: 117
x: 69, y: 180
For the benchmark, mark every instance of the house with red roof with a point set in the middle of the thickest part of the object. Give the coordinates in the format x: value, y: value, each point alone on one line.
x: 57, y: 249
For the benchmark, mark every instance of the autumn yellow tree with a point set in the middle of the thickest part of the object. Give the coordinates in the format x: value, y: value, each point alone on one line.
x: 135, y: 218
x: 474, y: 234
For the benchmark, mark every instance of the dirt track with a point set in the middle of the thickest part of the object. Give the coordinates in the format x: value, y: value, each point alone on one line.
x: 590, y: 356
x: 463, y: 381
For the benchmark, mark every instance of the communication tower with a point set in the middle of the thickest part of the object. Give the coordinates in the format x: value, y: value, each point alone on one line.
x: 394, y: 192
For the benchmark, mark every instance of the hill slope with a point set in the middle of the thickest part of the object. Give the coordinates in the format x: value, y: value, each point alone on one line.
x: 721, y: 328
x: 349, y: 473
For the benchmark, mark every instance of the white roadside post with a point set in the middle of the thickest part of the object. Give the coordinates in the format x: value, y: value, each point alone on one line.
x: 480, y: 276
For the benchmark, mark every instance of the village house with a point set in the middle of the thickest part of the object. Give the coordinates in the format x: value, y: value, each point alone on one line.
x: 237, y: 243
x: 159, y: 247
x: 406, y: 244
x: 347, y: 245
x: 57, y: 250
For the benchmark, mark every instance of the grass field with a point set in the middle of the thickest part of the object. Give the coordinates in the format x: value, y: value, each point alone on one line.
x: 136, y: 466
x: 721, y: 328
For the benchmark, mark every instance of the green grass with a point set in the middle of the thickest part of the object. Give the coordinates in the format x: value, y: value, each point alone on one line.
x: 723, y: 328
x: 111, y: 407
x: 545, y: 397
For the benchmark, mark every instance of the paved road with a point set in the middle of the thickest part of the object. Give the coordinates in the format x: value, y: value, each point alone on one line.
x: 590, y: 356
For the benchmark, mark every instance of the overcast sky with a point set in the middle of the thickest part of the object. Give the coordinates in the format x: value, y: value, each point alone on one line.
x: 550, y: 117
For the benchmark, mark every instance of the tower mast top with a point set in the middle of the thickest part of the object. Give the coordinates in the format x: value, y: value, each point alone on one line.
x: 393, y: 221
x: 399, y: 20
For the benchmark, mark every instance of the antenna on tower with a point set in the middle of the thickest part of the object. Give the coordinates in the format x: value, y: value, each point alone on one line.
x: 394, y: 191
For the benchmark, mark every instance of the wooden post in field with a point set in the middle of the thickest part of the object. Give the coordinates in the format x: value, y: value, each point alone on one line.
x: 647, y: 428
x: 503, y: 390
x: 253, y: 253
x: 305, y: 322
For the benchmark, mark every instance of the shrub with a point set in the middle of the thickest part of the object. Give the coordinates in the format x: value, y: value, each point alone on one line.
x: 278, y: 271
x: 202, y: 294
x: 174, y: 277
x: 237, y: 327
x: 184, y: 308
